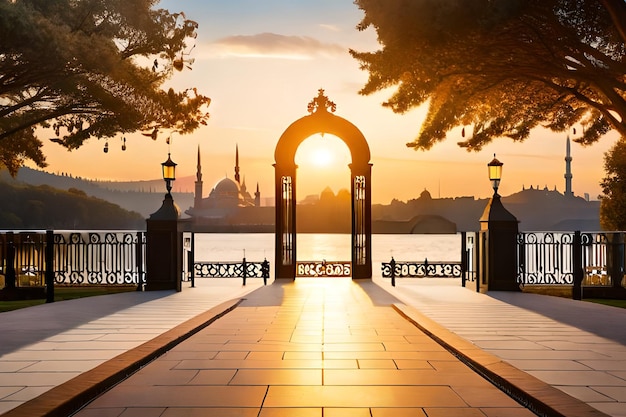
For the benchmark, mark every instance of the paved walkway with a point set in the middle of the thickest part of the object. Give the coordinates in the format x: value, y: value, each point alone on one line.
x: 327, y: 346
x: 309, y: 348
x: 577, y: 347
x: 44, y: 346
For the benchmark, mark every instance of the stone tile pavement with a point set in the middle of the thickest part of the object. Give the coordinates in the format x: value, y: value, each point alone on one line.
x: 578, y: 347
x: 327, y: 346
x: 44, y: 346
x: 308, y: 348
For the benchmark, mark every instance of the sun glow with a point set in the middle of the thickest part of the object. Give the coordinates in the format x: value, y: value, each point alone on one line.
x: 322, y: 152
x: 322, y: 162
x: 321, y: 157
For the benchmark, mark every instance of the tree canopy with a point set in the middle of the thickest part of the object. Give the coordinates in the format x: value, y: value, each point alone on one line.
x: 613, y: 198
x: 500, y: 67
x: 90, y: 68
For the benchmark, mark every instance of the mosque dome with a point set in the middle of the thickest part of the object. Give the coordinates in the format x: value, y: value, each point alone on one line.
x: 425, y: 195
x: 226, y: 187
x: 224, y: 194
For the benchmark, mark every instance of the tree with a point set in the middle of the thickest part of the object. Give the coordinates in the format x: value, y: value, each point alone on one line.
x: 500, y: 67
x: 613, y: 200
x: 90, y: 68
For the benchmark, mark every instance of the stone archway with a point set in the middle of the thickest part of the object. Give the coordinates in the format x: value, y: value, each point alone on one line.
x: 322, y: 120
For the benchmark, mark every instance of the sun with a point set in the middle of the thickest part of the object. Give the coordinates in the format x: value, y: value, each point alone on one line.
x: 322, y: 157
x: 322, y: 153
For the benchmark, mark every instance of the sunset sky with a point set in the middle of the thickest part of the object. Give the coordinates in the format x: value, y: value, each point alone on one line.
x: 262, y: 62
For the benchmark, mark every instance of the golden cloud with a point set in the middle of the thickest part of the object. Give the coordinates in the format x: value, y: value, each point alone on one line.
x: 272, y: 45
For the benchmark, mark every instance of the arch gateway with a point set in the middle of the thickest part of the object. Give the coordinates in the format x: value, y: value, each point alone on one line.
x: 322, y: 120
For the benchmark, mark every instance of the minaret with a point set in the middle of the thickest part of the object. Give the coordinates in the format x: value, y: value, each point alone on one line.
x: 568, y: 170
x: 237, y: 163
x: 257, y: 196
x: 197, y: 200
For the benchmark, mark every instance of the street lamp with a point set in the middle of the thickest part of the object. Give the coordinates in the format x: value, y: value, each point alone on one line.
x: 497, y: 241
x: 495, y: 173
x: 164, y: 240
x: 169, y: 173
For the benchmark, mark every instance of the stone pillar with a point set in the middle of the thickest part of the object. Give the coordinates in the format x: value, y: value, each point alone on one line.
x: 164, y: 248
x: 499, y: 230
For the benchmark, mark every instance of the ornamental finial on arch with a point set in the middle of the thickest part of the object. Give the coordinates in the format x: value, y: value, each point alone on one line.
x: 321, y: 102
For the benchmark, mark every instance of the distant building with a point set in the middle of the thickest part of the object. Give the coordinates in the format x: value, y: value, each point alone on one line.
x: 226, y: 199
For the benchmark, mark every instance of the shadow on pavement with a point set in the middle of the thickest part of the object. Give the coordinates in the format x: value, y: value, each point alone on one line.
x: 378, y: 295
x: 268, y: 295
x: 30, y: 325
x: 598, y: 319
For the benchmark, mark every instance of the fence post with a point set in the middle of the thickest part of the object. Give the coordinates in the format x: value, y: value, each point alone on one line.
x: 9, y: 276
x: 265, y: 271
x: 463, y: 258
x: 164, y: 248
x: 521, y: 258
x: 616, y: 258
x: 139, y: 261
x: 577, y: 267
x: 191, y: 256
x: 392, y: 264
x: 245, y: 270
x: 499, y: 272
x: 49, y: 265
x: 479, y: 261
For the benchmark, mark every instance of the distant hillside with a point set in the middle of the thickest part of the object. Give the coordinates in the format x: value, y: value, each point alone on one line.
x: 143, y: 197
x: 26, y: 206
x: 535, y: 209
x: 543, y: 209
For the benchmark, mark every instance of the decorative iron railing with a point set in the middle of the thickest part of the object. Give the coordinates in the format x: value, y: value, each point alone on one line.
x: 317, y: 269
x: 243, y: 269
x: 545, y: 258
x: 556, y: 258
x: 77, y: 257
x: 22, y: 256
x: 99, y: 258
x: 426, y: 269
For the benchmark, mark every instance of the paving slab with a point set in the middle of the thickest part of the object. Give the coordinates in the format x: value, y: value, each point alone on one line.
x: 577, y: 347
x: 318, y: 347
x: 45, y: 346
x: 333, y: 372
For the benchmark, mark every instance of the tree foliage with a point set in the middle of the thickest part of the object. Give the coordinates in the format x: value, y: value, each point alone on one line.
x: 500, y: 67
x: 90, y: 68
x: 45, y: 207
x: 613, y: 200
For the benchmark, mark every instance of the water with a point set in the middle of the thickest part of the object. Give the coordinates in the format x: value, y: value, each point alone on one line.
x: 331, y: 247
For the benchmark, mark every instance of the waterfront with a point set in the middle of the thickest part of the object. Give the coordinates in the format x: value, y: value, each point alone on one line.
x: 330, y: 247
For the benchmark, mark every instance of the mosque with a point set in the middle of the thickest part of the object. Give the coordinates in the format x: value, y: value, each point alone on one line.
x: 230, y: 207
x: 229, y: 203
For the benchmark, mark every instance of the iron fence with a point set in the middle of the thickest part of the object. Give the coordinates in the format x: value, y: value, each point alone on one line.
x: 99, y: 258
x: 230, y: 269
x: 545, y: 258
x: 424, y: 269
x: 243, y: 269
x: 73, y: 257
x: 576, y: 259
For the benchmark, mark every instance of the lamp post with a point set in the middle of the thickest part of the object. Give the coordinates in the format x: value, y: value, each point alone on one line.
x: 169, y: 173
x: 164, y: 239
x: 497, y: 243
x: 495, y: 173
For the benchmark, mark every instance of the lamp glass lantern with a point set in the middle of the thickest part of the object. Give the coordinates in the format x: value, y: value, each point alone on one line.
x: 495, y: 173
x: 169, y: 172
